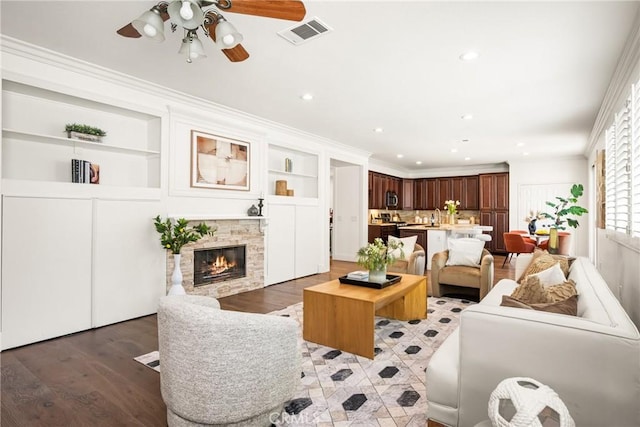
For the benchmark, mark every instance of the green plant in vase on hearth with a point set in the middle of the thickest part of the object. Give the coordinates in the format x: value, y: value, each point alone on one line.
x: 174, y: 236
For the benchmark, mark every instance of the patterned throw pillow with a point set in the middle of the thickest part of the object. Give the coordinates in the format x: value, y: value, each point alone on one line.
x: 540, y: 261
x: 531, y: 291
x: 562, y: 291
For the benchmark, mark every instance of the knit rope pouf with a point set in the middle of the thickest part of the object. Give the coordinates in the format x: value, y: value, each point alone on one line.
x: 525, y: 402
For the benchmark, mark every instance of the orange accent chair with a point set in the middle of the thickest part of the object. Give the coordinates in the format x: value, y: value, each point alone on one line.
x: 564, y: 240
x: 525, y: 235
x: 515, y: 244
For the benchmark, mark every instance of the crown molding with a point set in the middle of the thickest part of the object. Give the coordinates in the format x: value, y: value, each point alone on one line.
x: 175, y: 100
x: 619, y: 84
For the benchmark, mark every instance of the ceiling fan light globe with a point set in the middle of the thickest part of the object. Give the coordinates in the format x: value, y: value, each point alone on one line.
x: 177, y: 13
x: 151, y: 25
x: 185, y: 11
x: 227, y: 35
x: 149, y: 31
x: 197, y: 50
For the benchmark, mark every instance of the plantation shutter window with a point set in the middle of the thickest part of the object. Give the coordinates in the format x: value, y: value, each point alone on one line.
x: 635, y: 160
x: 622, y: 168
x: 610, y: 177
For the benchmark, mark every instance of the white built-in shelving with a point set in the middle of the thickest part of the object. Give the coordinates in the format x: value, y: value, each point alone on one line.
x: 36, y: 155
x: 302, y: 179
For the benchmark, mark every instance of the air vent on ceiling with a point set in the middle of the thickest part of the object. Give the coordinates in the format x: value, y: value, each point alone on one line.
x: 301, y: 33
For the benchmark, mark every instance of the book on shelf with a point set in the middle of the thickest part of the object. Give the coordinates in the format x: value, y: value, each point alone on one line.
x: 358, y: 275
x: 84, y: 172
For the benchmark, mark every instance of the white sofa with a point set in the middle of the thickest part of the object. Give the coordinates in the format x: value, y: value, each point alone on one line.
x: 592, y: 361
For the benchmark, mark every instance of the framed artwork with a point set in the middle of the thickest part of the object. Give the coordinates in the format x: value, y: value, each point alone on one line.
x: 218, y: 162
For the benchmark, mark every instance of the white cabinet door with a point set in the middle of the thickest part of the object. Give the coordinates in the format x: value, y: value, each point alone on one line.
x: 46, y: 268
x: 308, y: 240
x: 281, y: 244
x: 436, y: 242
x: 129, y: 264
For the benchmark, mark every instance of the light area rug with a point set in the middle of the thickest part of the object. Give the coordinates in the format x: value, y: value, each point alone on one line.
x: 342, y: 389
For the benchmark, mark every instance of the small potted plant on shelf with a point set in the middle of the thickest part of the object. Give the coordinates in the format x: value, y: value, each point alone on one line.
x: 377, y: 256
x: 84, y: 132
x: 564, y: 207
x: 173, y: 236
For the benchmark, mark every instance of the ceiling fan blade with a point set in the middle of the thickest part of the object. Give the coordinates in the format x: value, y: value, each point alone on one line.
x: 235, y: 54
x: 129, y: 31
x: 292, y: 10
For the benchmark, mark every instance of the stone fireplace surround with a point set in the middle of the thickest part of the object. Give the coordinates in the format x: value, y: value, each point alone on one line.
x: 230, y: 231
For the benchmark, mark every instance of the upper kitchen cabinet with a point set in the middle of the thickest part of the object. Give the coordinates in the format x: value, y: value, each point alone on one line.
x: 494, y: 191
x: 298, y: 168
x: 406, y: 198
x: 470, y: 193
x: 379, y: 184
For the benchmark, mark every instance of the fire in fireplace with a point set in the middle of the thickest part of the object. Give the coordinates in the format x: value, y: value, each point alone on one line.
x: 213, y: 265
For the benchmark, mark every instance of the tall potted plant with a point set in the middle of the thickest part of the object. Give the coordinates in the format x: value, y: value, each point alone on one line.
x: 376, y: 257
x: 565, y: 210
x: 173, y: 236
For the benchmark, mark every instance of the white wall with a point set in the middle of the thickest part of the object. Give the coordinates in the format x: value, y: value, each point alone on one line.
x: 180, y: 114
x: 532, y: 183
x: 347, y: 213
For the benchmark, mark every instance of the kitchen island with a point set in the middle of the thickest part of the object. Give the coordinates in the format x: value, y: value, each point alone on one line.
x: 434, y: 238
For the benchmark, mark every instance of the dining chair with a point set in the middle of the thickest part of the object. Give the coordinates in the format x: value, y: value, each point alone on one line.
x: 515, y: 244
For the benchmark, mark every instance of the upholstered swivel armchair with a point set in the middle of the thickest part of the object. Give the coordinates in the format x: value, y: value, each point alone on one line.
x: 525, y: 236
x: 222, y: 367
x: 514, y: 243
x: 412, y: 264
x: 455, y: 278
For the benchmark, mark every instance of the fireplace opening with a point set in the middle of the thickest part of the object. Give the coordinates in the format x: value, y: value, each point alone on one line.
x: 213, y: 265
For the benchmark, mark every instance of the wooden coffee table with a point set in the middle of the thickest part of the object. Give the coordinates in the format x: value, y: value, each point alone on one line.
x: 342, y: 316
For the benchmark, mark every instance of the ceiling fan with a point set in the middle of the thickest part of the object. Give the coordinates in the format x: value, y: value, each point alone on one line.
x: 193, y: 14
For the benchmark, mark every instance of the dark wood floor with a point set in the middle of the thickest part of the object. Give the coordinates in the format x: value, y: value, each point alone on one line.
x: 90, y: 378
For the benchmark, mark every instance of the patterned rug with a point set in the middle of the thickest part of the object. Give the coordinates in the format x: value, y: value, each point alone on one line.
x: 342, y: 389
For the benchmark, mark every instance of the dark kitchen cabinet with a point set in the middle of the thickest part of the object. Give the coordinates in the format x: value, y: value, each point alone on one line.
x: 422, y: 237
x: 431, y: 186
x: 494, y: 207
x: 382, y: 231
x: 494, y: 191
x: 406, y: 197
x: 444, y: 191
x: 379, y: 184
x: 499, y: 220
x: 470, y: 193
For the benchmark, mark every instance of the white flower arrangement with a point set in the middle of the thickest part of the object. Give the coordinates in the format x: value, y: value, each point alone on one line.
x: 533, y: 215
x: 452, y: 206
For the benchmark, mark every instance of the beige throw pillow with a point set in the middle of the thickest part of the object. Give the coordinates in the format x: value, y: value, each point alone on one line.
x: 568, y: 306
x: 531, y: 291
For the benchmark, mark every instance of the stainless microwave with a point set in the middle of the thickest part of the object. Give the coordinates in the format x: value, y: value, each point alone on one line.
x: 391, y: 199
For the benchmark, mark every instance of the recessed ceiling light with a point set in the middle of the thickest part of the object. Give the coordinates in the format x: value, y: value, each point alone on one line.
x: 467, y: 117
x: 418, y: 162
x: 525, y: 154
x: 400, y: 156
x: 465, y: 141
x: 454, y: 150
x: 467, y: 158
x: 378, y: 130
x: 469, y: 56
x: 307, y: 97
x: 520, y: 144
